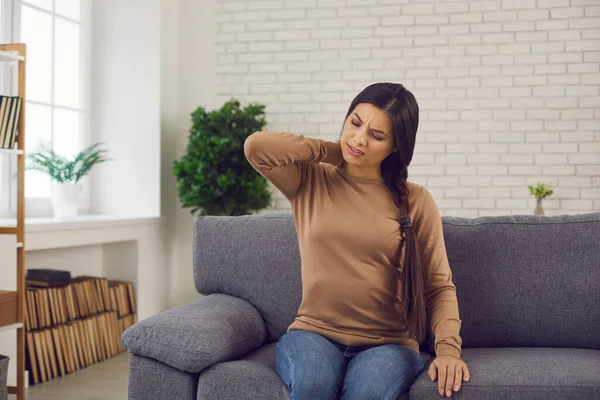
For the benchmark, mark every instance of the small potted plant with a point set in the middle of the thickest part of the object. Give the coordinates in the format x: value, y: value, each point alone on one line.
x: 540, y: 191
x: 65, y: 175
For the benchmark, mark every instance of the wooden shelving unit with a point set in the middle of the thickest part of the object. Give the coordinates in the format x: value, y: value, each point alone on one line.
x: 16, y: 53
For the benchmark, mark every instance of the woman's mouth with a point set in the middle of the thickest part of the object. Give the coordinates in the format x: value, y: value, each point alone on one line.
x: 355, y: 152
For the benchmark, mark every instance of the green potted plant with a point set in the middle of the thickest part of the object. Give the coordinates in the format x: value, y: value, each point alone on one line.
x: 540, y: 191
x: 65, y: 174
x: 213, y: 175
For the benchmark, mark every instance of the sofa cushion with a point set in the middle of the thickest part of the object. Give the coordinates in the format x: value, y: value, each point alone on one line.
x: 251, y: 377
x: 523, y: 373
x: 151, y: 379
x: 194, y: 336
x: 253, y: 257
x: 526, y: 281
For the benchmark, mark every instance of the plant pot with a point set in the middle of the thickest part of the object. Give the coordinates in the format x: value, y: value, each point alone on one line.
x: 65, y: 199
x: 538, y: 208
x: 3, y: 374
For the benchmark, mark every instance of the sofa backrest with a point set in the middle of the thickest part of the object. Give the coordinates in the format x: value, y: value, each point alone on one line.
x: 525, y: 280
x: 521, y: 280
x: 254, y: 257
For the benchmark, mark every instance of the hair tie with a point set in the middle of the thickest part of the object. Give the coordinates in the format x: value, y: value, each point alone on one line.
x: 405, y: 222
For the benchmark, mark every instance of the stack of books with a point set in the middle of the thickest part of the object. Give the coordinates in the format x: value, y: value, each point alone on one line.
x: 10, y: 110
x: 74, y: 323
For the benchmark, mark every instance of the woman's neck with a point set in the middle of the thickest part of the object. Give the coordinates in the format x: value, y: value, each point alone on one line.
x: 369, y: 172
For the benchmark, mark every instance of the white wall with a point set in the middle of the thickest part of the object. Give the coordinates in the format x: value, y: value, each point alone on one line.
x: 126, y: 105
x: 189, y: 64
x: 508, y: 90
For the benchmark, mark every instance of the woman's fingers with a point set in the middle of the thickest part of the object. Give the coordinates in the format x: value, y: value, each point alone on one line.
x: 450, y: 374
x: 441, y: 378
x: 458, y: 376
x: 449, y: 380
x: 466, y: 373
x: 432, y: 372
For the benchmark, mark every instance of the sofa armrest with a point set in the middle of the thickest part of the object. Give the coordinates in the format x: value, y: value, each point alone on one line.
x: 213, y: 329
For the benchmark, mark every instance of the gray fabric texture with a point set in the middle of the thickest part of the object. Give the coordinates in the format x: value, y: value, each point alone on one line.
x: 249, y: 378
x: 253, y: 257
x: 151, y: 379
x: 191, y: 337
x: 523, y: 373
x: 526, y: 281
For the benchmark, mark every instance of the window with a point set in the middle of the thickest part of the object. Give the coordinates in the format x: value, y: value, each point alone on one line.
x: 55, y: 34
x: 5, y: 160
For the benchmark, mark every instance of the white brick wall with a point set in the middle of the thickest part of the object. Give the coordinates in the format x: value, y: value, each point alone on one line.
x: 508, y: 90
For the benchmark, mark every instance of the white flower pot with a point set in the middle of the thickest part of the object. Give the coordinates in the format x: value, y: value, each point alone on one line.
x: 65, y: 199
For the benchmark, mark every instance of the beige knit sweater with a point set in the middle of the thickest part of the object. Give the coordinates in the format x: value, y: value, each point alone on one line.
x: 351, y: 248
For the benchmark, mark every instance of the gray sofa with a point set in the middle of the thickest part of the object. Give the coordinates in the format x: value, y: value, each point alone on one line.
x: 528, y: 290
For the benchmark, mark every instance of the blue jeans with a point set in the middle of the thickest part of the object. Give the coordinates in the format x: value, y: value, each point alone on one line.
x: 314, y: 367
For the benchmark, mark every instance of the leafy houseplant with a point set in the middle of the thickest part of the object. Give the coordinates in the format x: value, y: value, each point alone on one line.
x: 65, y: 174
x: 213, y: 176
x: 540, y: 191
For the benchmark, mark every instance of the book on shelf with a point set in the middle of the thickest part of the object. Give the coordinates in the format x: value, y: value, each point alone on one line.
x: 74, y: 324
x: 10, y: 110
x: 48, y: 275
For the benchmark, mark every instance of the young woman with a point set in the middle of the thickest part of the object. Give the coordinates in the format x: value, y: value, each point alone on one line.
x: 374, y: 263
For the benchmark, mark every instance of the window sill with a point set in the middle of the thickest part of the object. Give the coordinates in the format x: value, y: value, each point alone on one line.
x: 90, y: 221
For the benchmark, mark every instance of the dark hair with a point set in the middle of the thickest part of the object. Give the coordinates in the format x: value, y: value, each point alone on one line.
x: 403, y: 110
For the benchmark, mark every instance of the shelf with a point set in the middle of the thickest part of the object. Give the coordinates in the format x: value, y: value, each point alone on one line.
x: 7, y: 56
x: 82, y: 221
x: 11, y: 151
x: 8, y: 230
x: 15, y: 55
x: 11, y: 327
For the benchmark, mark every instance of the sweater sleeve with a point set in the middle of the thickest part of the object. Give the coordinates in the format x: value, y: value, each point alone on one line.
x: 440, y: 291
x: 284, y: 158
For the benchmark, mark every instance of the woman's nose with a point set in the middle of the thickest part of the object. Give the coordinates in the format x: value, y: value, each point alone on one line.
x: 361, y: 137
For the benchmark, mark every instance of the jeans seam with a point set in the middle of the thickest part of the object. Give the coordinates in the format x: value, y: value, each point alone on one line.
x: 287, y: 355
x: 417, y: 355
x: 419, y: 369
x: 394, y: 389
x: 398, y: 384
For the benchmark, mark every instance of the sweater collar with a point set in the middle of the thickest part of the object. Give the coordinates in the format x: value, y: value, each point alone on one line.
x: 353, y: 178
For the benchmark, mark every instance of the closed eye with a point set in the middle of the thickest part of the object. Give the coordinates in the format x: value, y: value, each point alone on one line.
x: 376, y: 137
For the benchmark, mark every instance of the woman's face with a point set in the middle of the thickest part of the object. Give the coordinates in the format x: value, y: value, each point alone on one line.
x: 368, y: 129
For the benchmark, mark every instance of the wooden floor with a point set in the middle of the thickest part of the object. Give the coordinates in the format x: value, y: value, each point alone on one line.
x: 102, y: 381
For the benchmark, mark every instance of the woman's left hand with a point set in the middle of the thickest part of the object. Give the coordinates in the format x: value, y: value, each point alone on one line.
x: 449, y: 371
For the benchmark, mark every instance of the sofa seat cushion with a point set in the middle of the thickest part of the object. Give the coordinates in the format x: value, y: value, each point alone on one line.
x: 152, y: 379
x: 251, y: 377
x: 525, y: 373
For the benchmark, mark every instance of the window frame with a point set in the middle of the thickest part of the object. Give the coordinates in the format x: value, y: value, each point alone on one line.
x: 11, y: 32
x: 6, y: 161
